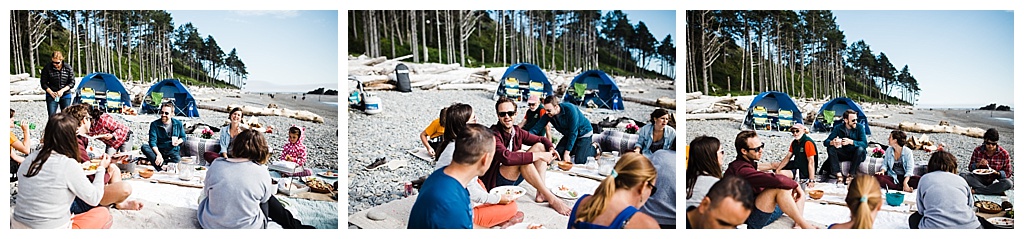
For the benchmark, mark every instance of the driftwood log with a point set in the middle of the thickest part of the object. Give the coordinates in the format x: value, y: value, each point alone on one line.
x: 716, y: 116
x: 261, y: 111
x: 27, y: 98
x: 926, y: 128
x: 486, y: 87
x: 663, y: 102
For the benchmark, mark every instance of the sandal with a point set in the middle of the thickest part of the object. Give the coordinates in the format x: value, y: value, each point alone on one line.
x: 377, y: 163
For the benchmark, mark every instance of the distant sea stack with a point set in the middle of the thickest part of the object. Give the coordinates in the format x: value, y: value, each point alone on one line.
x: 996, y: 108
x: 323, y: 91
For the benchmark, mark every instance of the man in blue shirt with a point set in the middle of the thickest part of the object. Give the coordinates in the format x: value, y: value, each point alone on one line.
x: 846, y: 143
x: 443, y: 202
x: 165, y: 138
x: 575, y: 128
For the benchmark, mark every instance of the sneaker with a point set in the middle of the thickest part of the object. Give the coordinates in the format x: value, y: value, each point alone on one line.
x: 377, y: 163
x: 417, y: 183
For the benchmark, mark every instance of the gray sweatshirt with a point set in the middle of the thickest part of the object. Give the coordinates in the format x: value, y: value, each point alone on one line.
x: 44, y: 200
x: 946, y: 202
x: 700, y: 190
x: 662, y: 205
x: 234, y: 191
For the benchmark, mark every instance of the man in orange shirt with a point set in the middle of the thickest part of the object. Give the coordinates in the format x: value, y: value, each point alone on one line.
x: 801, y: 159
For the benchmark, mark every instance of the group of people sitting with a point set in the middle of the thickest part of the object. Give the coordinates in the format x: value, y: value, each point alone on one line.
x: 55, y: 192
x: 757, y: 195
x: 472, y: 159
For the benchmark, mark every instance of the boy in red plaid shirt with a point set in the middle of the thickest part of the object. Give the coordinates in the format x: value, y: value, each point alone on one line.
x: 990, y: 156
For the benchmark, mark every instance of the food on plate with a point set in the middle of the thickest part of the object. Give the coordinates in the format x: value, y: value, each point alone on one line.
x: 988, y: 207
x: 1001, y: 221
x: 329, y: 174
x: 511, y: 191
x: 317, y: 185
x: 90, y: 166
x: 535, y: 226
x: 567, y: 191
x: 984, y: 171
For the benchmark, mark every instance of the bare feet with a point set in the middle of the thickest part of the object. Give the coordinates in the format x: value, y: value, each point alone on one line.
x: 560, y: 206
x: 129, y: 205
x: 540, y: 198
x: 514, y: 220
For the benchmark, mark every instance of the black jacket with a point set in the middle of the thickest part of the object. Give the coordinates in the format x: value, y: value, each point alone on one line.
x: 54, y: 79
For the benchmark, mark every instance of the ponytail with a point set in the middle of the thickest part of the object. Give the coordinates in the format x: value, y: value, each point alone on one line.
x: 631, y: 170
x: 862, y: 199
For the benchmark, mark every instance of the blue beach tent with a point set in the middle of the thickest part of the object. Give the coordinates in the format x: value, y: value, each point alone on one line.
x: 836, y: 107
x: 172, y: 90
x: 772, y: 110
x: 95, y: 88
x: 522, y: 80
x: 599, y: 88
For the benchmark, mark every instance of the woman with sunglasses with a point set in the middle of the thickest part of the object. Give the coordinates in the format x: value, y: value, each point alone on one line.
x: 655, y: 136
x: 57, y: 80
x: 799, y: 162
x: 615, y: 203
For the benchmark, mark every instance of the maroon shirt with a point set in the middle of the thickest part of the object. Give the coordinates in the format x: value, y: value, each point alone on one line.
x: 509, y: 155
x: 758, y: 180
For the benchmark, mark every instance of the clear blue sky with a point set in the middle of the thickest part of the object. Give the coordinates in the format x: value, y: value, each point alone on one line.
x: 282, y: 50
x: 660, y: 23
x: 960, y: 58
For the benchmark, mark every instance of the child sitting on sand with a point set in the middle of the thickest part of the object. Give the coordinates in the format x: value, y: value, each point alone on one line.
x: 295, y: 151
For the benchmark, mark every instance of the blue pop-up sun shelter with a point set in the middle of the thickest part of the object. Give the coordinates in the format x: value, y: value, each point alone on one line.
x: 99, y: 83
x: 838, y: 106
x: 531, y: 80
x: 772, y: 102
x: 184, y: 103
x: 604, y: 90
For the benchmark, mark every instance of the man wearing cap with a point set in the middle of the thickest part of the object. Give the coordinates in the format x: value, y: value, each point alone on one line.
x: 800, y: 160
x: 533, y: 115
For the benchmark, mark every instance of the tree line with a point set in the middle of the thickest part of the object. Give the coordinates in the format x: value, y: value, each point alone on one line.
x: 551, y: 39
x: 136, y: 45
x: 803, y: 53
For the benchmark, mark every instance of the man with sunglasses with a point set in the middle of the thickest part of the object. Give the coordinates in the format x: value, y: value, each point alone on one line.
x: 848, y: 142
x: 776, y: 193
x: 512, y: 166
x: 57, y: 79
x: 165, y: 137
x: 990, y: 156
x: 799, y: 162
x: 532, y: 116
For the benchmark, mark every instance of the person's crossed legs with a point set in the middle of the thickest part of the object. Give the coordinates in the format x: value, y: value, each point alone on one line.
x: 533, y: 174
x: 771, y: 199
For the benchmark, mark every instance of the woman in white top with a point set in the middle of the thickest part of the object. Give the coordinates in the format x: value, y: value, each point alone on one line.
x: 51, y: 178
x: 703, y: 168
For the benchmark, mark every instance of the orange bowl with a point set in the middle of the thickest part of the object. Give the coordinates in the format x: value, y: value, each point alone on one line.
x: 565, y: 166
x: 146, y: 173
x: 816, y: 194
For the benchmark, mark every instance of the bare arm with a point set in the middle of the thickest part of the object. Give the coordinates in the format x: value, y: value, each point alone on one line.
x: 423, y: 139
x: 16, y: 157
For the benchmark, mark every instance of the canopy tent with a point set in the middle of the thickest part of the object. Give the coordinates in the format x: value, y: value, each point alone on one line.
x: 170, y: 90
x: 772, y: 110
x: 522, y: 80
x: 832, y: 110
x: 595, y: 86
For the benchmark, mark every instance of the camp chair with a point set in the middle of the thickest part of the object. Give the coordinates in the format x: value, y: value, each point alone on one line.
x: 512, y: 88
x: 158, y: 99
x: 785, y: 119
x: 579, y: 92
x: 760, y: 118
x: 113, y: 102
x: 829, y: 117
x: 537, y: 89
x: 603, y: 96
x: 88, y: 96
x: 182, y: 105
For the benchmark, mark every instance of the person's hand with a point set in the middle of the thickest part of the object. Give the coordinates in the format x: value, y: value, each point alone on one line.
x: 288, y: 157
x: 107, y: 136
x: 810, y: 184
x: 636, y: 150
x: 565, y: 157
x: 505, y: 199
x: 982, y: 163
x: 159, y: 158
x: 907, y: 188
x: 24, y: 127
x: 175, y: 141
x: 546, y: 157
x: 104, y: 161
x: 798, y: 194
x: 122, y: 158
x: 431, y: 151
x: 878, y: 173
x: 847, y: 141
x: 51, y: 93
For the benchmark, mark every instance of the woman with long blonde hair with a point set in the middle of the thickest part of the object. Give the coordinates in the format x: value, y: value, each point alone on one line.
x: 864, y: 200
x: 615, y: 203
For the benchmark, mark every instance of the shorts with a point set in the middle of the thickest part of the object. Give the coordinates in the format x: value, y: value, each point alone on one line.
x: 502, y: 181
x: 79, y: 206
x: 759, y: 219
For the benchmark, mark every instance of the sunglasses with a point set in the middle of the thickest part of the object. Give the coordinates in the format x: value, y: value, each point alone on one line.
x: 795, y: 131
x: 990, y: 143
x: 56, y: 63
x: 654, y: 189
x: 165, y: 113
x: 758, y: 148
x: 531, y: 104
x: 506, y: 114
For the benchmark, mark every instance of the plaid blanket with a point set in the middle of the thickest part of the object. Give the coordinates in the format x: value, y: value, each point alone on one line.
x: 870, y: 166
x: 612, y: 140
x: 196, y: 146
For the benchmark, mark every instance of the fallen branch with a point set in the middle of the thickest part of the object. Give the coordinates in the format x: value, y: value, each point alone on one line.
x: 375, y: 61
x: 663, y: 102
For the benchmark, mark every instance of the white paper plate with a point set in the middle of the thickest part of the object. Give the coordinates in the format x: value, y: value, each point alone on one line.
x: 570, y: 193
x: 516, y: 191
x: 1001, y: 221
x: 983, y: 171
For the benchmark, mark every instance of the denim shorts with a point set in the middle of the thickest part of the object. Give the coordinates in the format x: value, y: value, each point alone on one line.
x: 502, y: 181
x: 79, y: 206
x: 759, y: 219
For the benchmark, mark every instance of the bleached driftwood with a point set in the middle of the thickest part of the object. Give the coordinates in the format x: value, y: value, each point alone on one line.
x: 19, y: 77
x: 711, y: 104
x: 487, y: 87
x: 261, y: 111
x: 693, y: 95
x: 375, y: 61
x: 380, y: 87
x: 27, y: 98
x: 926, y: 128
x: 715, y: 116
x: 663, y: 102
x: 884, y: 125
